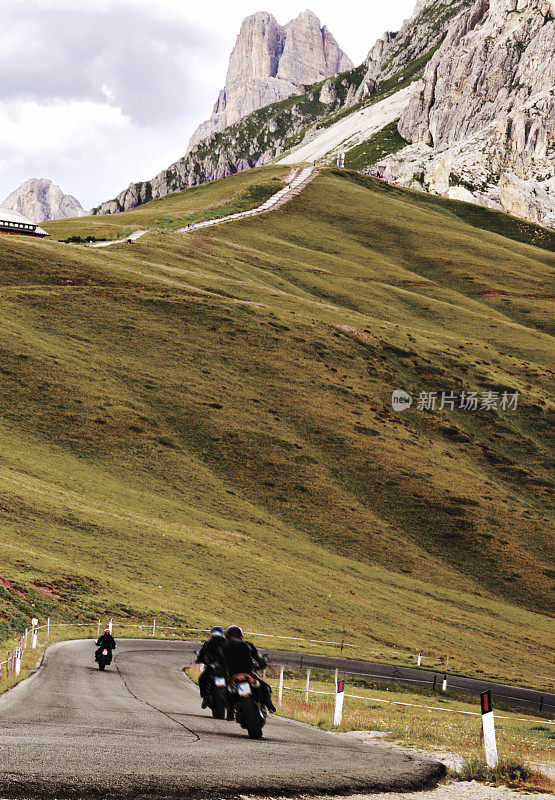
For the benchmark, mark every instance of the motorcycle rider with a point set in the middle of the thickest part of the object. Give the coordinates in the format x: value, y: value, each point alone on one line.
x: 210, y: 654
x: 242, y: 657
x: 105, y: 642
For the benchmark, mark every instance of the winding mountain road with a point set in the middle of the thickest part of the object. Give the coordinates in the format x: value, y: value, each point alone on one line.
x: 504, y: 695
x: 137, y: 730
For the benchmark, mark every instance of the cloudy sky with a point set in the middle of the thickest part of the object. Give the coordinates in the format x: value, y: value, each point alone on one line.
x: 96, y: 95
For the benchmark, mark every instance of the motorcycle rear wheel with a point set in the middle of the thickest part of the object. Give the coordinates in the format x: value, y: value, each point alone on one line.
x: 252, y: 721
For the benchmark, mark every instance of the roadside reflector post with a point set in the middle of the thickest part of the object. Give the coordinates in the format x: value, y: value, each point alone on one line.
x: 307, y: 690
x: 280, y: 686
x: 419, y: 660
x: 34, y: 623
x: 98, y: 630
x: 336, y: 677
x: 48, y: 628
x: 26, y: 633
x: 154, y: 628
x: 339, y: 697
x: 110, y: 625
x: 444, y: 684
x: 488, y: 729
x: 18, y: 661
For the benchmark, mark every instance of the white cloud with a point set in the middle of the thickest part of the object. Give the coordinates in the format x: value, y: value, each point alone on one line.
x: 30, y: 126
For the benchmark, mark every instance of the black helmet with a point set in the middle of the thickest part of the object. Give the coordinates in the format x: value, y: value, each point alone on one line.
x: 217, y: 630
x: 234, y: 632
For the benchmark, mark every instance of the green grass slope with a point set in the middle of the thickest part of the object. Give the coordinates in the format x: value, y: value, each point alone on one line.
x: 220, y: 198
x: 199, y: 426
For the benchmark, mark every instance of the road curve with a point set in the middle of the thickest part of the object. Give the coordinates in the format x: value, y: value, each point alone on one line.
x: 137, y: 730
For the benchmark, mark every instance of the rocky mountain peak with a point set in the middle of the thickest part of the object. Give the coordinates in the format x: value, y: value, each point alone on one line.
x: 39, y: 199
x: 271, y: 62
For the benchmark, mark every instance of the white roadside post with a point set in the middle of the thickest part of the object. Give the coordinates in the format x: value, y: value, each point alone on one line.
x: 336, y: 676
x: 34, y: 623
x: 48, y: 628
x: 18, y: 661
x: 98, y: 630
x: 339, y: 697
x: 280, y: 686
x: 154, y: 628
x: 26, y: 633
x: 488, y: 729
x: 444, y: 684
x: 110, y: 625
x: 419, y: 661
x: 307, y: 690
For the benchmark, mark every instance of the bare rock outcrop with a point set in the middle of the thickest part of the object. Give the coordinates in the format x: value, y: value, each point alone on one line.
x: 486, y: 109
x: 271, y: 62
x: 416, y: 39
x: 39, y: 199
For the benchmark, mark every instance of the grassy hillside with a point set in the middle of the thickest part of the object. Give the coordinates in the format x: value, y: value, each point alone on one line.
x: 200, y: 426
x: 219, y: 198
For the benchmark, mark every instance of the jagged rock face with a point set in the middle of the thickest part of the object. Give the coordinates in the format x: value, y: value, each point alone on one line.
x: 39, y: 199
x: 491, y: 58
x: 487, y: 99
x: 425, y: 30
x: 269, y: 63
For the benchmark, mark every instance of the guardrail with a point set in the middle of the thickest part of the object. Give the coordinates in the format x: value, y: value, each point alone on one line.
x: 528, y: 699
x: 281, y: 687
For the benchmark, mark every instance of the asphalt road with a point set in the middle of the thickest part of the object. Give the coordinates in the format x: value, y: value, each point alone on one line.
x: 503, y: 694
x: 137, y: 731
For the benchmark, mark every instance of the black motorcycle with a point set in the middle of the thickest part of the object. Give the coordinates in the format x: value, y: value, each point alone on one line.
x: 217, y: 694
x: 246, y: 698
x: 103, y: 657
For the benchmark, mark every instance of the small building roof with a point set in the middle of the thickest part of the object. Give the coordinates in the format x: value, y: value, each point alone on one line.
x: 7, y: 215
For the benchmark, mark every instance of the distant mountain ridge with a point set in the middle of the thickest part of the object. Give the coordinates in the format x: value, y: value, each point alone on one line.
x: 269, y: 63
x: 478, y: 125
x: 39, y: 199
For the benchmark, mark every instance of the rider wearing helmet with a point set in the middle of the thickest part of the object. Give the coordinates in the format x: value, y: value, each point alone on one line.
x: 242, y: 657
x: 105, y: 642
x: 210, y: 654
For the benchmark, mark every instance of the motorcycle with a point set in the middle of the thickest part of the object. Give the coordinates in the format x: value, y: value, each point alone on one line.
x: 216, y: 691
x: 103, y: 657
x: 250, y: 712
x: 217, y: 695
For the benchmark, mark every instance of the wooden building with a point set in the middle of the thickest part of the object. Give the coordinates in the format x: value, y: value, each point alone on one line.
x: 13, y: 222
